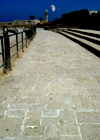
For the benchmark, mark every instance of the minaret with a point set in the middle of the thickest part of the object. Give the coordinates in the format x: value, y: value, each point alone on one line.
x: 46, y: 15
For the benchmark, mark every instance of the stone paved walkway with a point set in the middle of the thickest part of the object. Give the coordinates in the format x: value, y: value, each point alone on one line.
x: 53, y: 92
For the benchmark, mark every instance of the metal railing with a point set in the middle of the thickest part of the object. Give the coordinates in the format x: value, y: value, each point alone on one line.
x: 6, y: 48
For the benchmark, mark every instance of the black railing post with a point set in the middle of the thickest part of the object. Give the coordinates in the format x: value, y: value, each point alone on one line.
x: 26, y: 40
x: 35, y: 29
x: 33, y: 32
x: 17, y: 44
x: 7, y: 49
x: 3, y: 58
x: 29, y: 41
x: 22, y: 43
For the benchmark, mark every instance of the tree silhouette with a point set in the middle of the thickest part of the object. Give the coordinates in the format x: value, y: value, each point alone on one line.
x: 32, y: 17
x: 80, y: 18
x: 56, y: 21
x: 40, y: 18
x: 76, y: 18
x: 98, y: 11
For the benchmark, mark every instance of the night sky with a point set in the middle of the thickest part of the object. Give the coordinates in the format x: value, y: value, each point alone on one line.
x: 22, y: 9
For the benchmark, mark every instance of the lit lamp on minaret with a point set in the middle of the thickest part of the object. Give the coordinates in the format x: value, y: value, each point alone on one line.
x: 46, y: 16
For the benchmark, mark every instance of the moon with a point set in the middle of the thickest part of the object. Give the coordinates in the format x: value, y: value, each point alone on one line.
x: 53, y: 8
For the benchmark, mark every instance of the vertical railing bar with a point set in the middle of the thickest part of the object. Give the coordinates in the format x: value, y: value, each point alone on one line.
x: 3, y: 58
x: 17, y: 44
x: 22, y: 42
x: 26, y: 40
x: 7, y: 49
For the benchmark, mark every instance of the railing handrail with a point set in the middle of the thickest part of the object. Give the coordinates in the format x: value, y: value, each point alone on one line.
x: 6, y: 60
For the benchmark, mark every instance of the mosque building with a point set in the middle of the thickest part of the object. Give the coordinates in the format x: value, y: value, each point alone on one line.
x: 27, y: 22
x: 35, y: 21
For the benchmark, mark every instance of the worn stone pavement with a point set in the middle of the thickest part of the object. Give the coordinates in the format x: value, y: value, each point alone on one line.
x: 52, y: 93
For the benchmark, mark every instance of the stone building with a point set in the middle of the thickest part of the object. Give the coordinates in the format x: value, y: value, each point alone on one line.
x: 33, y: 22
x: 27, y: 22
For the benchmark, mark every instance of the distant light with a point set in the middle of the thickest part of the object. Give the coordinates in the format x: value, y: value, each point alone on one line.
x: 53, y: 8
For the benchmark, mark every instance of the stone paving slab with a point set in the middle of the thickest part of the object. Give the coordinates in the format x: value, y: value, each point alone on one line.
x: 52, y: 93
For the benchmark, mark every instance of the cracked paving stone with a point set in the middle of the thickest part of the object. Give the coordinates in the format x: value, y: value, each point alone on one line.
x: 33, y: 114
x: 82, y: 102
x: 49, y: 121
x: 88, y: 117
x: 32, y: 100
x: 59, y: 105
x: 67, y: 116
x: 10, y: 127
x: 68, y: 128
x: 32, y: 122
x: 90, y: 131
x: 52, y: 130
x: 96, y: 105
x: 70, y: 138
x: 52, y: 138
x: 29, y: 81
x: 15, y: 113
x: 8, y: 138
x: 15, y: 86
x: 21, y: 100
x: 95, y: 97
x: 36, y: 107
x: 32, y: 138
x: 33, y: 131
x: 26, y: 88
x: 20, y: 94
x: 50, y: 113
x: 93, y: 91
x: 19, y: 106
